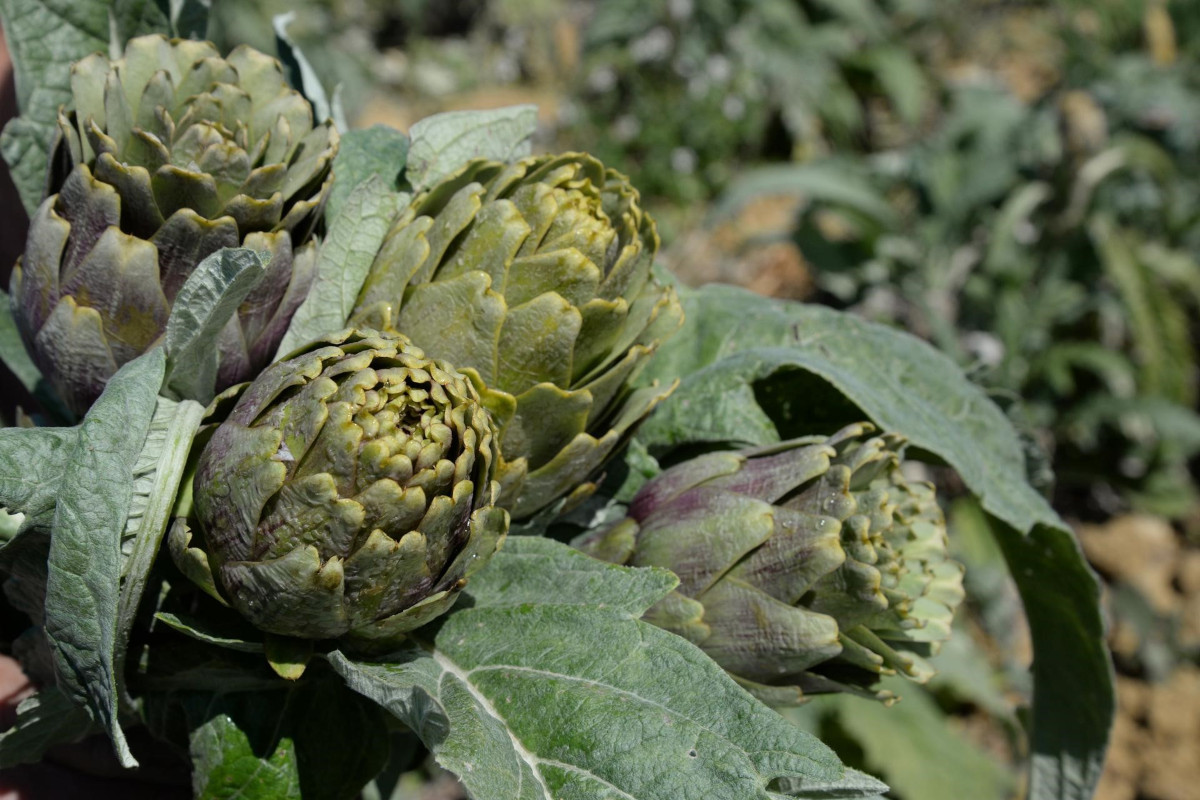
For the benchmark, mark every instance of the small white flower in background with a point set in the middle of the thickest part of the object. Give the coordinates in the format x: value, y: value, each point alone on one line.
x: 719, y: 68
x: 1025, y: 232
x: 602, y: 79
x: 683, y: 159
x: 654, y: 46
x: 680, y: 9
x: 733, y: 107
x: 985, y: 347
x: 626, y: 127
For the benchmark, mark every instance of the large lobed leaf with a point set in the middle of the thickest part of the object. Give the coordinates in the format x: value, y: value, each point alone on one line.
x: 548, y: 685
x: 84, y: 565
x: 757, y: 368
x: 378, y: 151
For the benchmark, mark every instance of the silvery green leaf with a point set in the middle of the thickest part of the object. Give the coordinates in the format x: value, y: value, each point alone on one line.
x: 130, y: 18
x: 205, y: 302
x: 853, y: 785
x: 902, y: 79
x: 546, y: 689
x: 442, y: 143
x: 32, y: 463
x: 156, y: 477
x: 541, y: 571
x: 232, y: 637
x: 343, y: 263
x: 12, y: 349
x: 84, y: 565
x: 337, y: 109
x: 831, y: 180
x: 43, y: 39
x: 45, y: 719
x: 376, y: 151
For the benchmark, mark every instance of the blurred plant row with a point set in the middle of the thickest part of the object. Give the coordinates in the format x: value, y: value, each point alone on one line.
x: 1048, y: 242
x: 1008, y: 180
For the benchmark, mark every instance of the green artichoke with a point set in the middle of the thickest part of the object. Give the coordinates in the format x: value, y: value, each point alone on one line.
x: 804, y: 567
x: 170, y: 154
x: 348, y: 494
x: 534, y: 278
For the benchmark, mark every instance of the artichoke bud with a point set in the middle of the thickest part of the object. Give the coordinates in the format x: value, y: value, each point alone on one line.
x: 809, y: 566
x: 169, y: 154
x: 534, y: 278
x: 349, y: 493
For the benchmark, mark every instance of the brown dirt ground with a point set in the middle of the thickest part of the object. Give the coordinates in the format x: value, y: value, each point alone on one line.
x: 1155, y: 750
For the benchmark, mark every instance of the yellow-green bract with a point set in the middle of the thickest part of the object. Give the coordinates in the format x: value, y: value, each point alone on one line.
x: 534, y: 279
x: 348, y: 494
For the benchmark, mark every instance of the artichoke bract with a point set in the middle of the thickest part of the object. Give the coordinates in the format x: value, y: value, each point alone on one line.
x: 804, y: 567
x: 349, y: 493
x: 534, y: 279
x: 170, y: 154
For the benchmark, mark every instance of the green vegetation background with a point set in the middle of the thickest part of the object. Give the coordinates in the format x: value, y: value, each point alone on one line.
x: 1018, y: 182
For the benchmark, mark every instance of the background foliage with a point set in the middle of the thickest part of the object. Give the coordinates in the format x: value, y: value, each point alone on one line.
x: 1014, y: 182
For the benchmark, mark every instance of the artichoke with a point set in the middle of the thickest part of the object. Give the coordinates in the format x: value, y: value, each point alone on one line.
x: 349, y: 492
x: 804, y: 567
x: 534, y: 278
x: 170, y: 154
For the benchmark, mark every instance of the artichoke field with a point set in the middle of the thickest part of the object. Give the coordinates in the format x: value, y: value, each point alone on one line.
x: 481, y: 334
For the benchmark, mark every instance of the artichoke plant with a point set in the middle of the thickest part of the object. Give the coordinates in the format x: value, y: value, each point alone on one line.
x: 349, y: 492
x: 534, y: 278
x: 170, y: 154
x: 804, y: 567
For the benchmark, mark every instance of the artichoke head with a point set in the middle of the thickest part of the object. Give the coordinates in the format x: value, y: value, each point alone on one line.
x: 804, y: 567
x: 348, y: 494
x: 170, y: 153
x: 534, y: 278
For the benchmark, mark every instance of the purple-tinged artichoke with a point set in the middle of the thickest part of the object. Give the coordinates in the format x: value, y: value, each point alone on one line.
x: 170, y: 154
x: 809, y: 566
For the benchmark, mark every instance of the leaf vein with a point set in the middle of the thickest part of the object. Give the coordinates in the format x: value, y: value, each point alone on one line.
x: 484, y: 703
